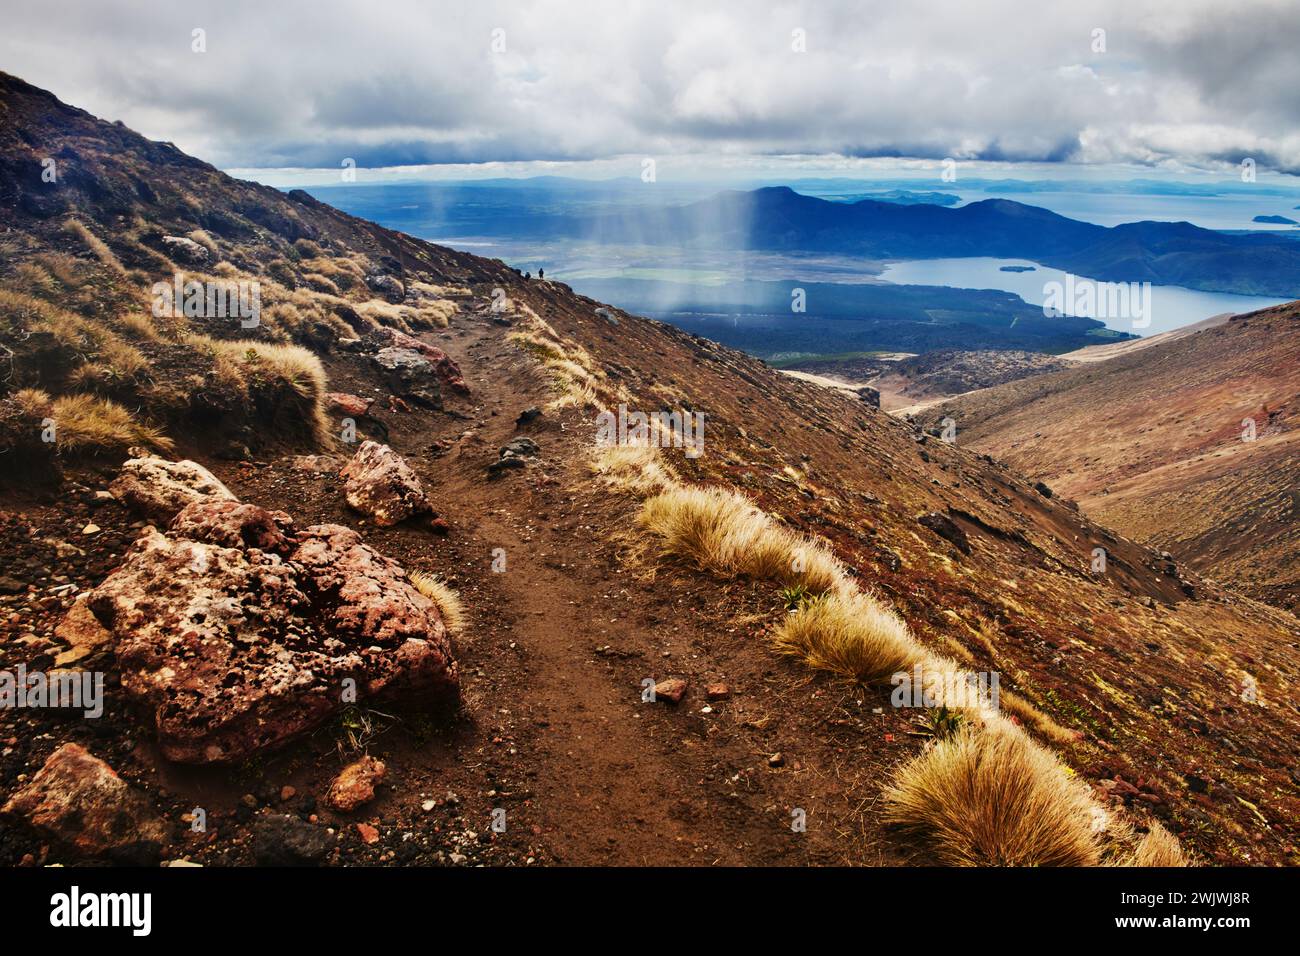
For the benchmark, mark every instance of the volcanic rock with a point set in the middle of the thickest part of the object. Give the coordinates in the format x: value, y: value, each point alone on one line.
x: 946, y: 528
x: 382, y: 486
x: 348, y: 404
x: 671, y: 690
x: 159, y: 489
x: 79, y: 801
x: 282, y: 840
x: 409, y: 375
x: 443, y: 365
x: 238, y: 636
x: 355, y: 784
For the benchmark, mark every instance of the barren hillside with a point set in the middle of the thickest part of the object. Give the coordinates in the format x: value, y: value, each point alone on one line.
x: 1189, y: 446
x: 1137, y: 703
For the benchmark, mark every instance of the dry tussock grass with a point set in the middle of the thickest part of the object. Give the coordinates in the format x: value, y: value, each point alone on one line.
x: 206, y: 241
x: 851, y: 634
x: 726, y: 534
x: 87, y: 423
x: 990, y: 796
x: 987, y: 794
x: 444, y: 598
x: 321, y: 284
x: 241, y: 363
x: 345, y: 272
x: 1157, y: 848
x: 95, y: 245
x: 634, y: 468
x: 575, y: 377
x: 105, y: 355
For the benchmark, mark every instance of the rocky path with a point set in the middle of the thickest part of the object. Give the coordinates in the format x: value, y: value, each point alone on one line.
x: 552, y: 729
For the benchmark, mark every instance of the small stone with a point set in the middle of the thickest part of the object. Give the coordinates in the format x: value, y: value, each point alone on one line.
x: 671, y: 690
x: 287, y: 793
x: 368, y: 833
x: 355, y: 784
x: 283, y: 840
x: 717, y: 691
x: 776, y: 760
x: 91, y: 528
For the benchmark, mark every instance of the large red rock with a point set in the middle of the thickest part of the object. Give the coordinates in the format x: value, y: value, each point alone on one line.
x: 158, y: 488
x: 239, y: 634
x: 445, y: 367
x: 382, y: 486
x: 79, y: 801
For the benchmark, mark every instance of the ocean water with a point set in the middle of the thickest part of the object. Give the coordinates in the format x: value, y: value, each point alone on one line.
x: 1170, y: 307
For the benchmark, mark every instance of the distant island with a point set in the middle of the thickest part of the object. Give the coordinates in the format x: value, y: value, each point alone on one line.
x: 1277, y: 220
x: 1016, y: 268
x: 907, y: 197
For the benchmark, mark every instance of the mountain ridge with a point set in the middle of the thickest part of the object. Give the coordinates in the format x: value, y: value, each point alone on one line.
x: 1132, y: 679
x: 778, y: 218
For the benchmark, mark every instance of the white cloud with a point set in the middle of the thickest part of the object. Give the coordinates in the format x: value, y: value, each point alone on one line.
x: 300, y: 83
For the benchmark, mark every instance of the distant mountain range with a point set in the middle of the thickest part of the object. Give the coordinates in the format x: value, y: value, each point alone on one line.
x: 779, y: 219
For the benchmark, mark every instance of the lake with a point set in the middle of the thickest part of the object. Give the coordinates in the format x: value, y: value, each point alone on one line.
x: 1171, y: 307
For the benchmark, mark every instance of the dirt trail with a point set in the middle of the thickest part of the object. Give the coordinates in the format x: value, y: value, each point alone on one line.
x: 613, y: 779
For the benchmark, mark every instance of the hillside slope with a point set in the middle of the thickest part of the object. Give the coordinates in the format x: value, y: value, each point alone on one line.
x: 1153, y: 442
x: 1134, y: 678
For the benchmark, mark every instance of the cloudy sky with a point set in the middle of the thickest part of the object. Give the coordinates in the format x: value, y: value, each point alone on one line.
x: 1181, y: 84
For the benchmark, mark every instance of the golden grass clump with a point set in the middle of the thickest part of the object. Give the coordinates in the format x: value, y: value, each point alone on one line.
x: 95, y: 245
x: 1158, y: 848
x: 139, y: 326
x: 634, y: 468
x: 1044, y: 725
x: 346, y: 273
x: 114, y: 360
x: 87, y: 423
x: 33, y: 279
x: 301, y: 369
x: 725, y: 533
x: 851, y: 634
x: 437, y: 313
x: 243, y: 363
x: 436, y: 291
x: 990, y: 796
x: 444, y: 598
x: 380, y: 313
x: 206, y: 241
x: 320, y: 283
x: 106, y: 355
x: 573, y: 373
